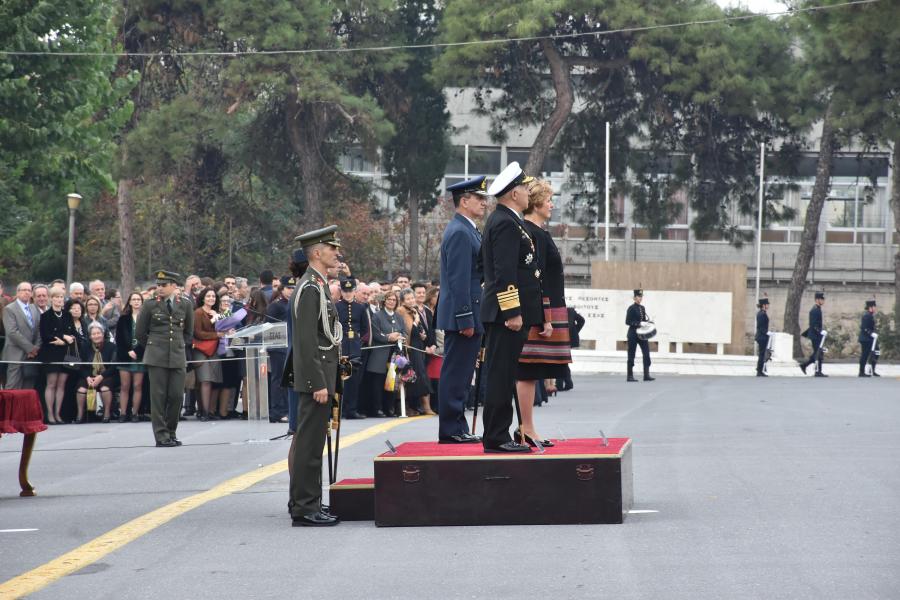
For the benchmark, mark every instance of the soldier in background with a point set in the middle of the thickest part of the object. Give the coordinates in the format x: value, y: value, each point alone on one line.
x: 165, y: 327
x: 633, y: 318
x: 313, y: 368
x: 866, y: 330
x: 354, y: 319
x: 762, y: 335
x: 814, y: 333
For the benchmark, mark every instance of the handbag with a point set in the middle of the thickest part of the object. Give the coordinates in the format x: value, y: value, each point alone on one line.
x: 206, y: 347
x: 72, y: 357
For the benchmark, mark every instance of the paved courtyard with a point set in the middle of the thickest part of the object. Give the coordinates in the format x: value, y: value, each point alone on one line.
x: 745, y: 488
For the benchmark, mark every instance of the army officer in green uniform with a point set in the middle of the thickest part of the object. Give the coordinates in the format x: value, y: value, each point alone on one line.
x: 314, y: 364
x: 165, y: 324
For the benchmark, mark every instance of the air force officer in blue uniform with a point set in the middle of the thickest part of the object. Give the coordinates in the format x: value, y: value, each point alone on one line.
x: 459, y: 307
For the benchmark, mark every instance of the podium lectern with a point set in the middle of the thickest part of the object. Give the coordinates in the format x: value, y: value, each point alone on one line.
x: 256, y: 341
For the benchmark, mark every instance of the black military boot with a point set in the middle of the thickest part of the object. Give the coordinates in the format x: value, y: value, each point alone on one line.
x: 647, y: 375
x: 630, y: 376
x: 862, y: 373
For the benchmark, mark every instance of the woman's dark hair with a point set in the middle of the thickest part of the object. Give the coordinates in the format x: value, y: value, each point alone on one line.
x: 127, y: 310
x: 432, y: 294
x: 72, y: 302
x: 257, y: 306
x: 391, y: 294
x: 202, y: 295
x: 297, y: 269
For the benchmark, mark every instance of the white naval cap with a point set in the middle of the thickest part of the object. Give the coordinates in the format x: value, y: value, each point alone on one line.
x: 509, y: 178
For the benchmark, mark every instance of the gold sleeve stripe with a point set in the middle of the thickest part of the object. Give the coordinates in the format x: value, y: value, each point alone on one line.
x: 508, y: 302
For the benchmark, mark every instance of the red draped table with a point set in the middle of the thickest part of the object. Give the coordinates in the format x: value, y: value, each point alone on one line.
x: 21, y: 412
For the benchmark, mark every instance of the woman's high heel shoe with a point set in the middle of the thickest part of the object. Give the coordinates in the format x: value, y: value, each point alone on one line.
x: 518, y: 435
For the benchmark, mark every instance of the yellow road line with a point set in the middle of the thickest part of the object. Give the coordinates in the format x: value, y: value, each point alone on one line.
x: 94, y: 550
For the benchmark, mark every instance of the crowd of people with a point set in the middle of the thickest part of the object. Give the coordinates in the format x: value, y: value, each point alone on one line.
x: 76, y: 345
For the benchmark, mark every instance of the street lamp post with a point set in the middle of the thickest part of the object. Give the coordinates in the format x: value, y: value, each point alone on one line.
x: 73, y: 201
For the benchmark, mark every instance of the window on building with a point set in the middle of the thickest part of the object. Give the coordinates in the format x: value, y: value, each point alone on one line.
x: 482, y: 161
x: 553, y: 162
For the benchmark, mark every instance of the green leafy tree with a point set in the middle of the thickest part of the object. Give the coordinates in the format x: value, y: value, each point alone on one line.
x: 532, y: 83
x: 323, y: 100
x: 416, y: 157
x: 57, y: 117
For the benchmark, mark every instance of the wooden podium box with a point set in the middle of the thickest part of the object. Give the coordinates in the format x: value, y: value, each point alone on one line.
x: 352, y: 499
x: 576, y: 481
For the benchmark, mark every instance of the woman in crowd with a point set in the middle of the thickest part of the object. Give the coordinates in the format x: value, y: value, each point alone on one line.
x: 435, y: 343
x: 99, y: 376
x: 387, y: 328
x: 57, y: 334
x: 208, y: 371
x: 225, y: 392
x: 547, y: 352
x: 113, y: 309
x: 256, y: 308
x: 128, y: 350
x: 418, y: 392
x: 93, y: 313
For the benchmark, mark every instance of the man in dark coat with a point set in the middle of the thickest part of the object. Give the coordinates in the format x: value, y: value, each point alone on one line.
x: 867, y: 336
x: 354, y: 318
x: 459, y: 309
x: 636, y: 315
x: 277, y: 312
x: 165, y: 327
x: 762, y: 336
x: 511, y: 303
x: 816, y: 335
x: 313, y: 368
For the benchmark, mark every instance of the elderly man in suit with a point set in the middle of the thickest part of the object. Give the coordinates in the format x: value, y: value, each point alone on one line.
x: 458, y: 311
x: 20, y: 321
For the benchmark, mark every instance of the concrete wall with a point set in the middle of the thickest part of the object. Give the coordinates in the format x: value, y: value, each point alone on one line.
x: 680, y: 277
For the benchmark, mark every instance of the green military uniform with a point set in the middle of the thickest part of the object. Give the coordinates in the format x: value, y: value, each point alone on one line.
x: 314, y: 365
x: 164, y: 327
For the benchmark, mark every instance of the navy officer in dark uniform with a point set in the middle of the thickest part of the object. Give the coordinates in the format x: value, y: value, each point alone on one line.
x: 510, y: 305
x: 635, y: 315
x: 354, y: 318
x: 458, y: 311
x: 866, y: 329
x: 762, y: 335
x: 814, y: 333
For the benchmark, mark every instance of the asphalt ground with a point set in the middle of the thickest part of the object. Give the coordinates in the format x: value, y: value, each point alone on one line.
x: 775, y: 488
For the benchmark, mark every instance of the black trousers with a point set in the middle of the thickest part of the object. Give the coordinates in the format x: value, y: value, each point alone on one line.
x: 761, y: 361
x: 353, y: 391
x: 633, y: 343
x: 278, y: 401
x: 502, y: 349
x: 816, y: 356
x: 866, y: 352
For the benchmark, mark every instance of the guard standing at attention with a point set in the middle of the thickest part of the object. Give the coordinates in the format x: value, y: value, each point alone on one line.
x: 459, y: 309
x: 165, y: 326
x: 815, y: 333
x: 511, y: 303
x: 866, y: 331
x: 354, y: 318
x: 313, y: 367
x: 762, y: 335
x: 633, y: 318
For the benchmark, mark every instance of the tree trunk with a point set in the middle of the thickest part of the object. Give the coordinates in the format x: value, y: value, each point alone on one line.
x: 412, y: 202
x: 305, y: 125
x: 810, y: 231
x: 895, y: 208
x: 126, y: 236
x: 565, y: 99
